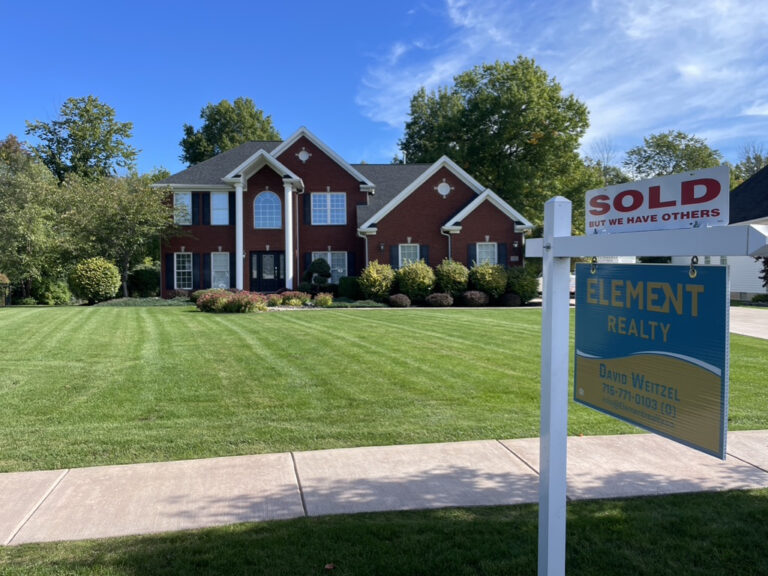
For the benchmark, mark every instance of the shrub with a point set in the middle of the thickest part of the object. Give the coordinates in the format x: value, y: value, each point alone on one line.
x: 232, y: 302
x: 509, y: 299
x: 95, y: 280
x: 416, y: 280
x: 489, y: 278
x: 144, y: 280
x: 274, y: 300
x: 297, y: 296
x: 475, y: 298
x: 347, y: 303
x: 28, y: 301
x: 318, y: 273
x: 376, y: 281
x: 293, y: 302
x: 521, y: 280
x: 305, y: 286
x: 760, y: 298
x: 452, y: 277
x: 440, y: 299
x: 323, y: 300
x: 51, y: 292
x: 349, y: 287
x: 197, y: 294
x: 399, y: 301
x: 4, y: 279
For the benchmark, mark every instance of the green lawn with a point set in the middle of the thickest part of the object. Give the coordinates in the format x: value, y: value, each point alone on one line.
x: 692, y: 535
x: 90, y: 386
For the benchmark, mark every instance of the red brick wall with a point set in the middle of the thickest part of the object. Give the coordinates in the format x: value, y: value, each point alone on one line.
x: 488, y: 220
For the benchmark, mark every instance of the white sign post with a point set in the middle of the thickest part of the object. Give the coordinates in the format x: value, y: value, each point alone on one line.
x: 556, y: 249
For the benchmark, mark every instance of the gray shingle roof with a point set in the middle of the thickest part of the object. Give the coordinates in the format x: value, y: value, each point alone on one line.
x: 390, y: 180
x: 749, y: 200
x: 211, y: 171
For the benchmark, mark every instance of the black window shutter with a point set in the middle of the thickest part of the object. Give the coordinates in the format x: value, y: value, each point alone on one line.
x: 206, y: 197
x: 195, y: 271
x: 195, y: 208
x: 169, y: 272
x: 424, y: 253
x: 232, y: 266
x: 206, y: 270
x: 307, y: 261
x: 501, y: 254
x: 231, y: 213
x: 351, y: 270
x: 471, y: 255
x: 307, y: 208
x: 394, y: 256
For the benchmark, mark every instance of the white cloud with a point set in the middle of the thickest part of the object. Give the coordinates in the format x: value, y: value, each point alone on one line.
x: 641, y: 66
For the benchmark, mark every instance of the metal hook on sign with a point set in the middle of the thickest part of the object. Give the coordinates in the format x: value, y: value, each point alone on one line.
x: 593, y: 268
x: 694, y: 261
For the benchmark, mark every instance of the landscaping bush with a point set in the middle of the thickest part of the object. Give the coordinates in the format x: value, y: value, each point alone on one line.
x: 376, y: 281
x: 323, y: 300
x: 489, y: 278
x: 51, y: 292
x: 178, y: 294
x: 440, y: 299
x: 297, y: 297
x: 475, y: 298
x: 416, y: 280
x: 305, y: 287
x: 274, y: 300
x: 347, y: 303
x: 144, y: 280
x: 509, y: 299
x: 452, y: 277
x: 232, y: 302
x: 318, y: 274
x: 194, y: 296
x: 349, y: 287
x: 28, y: 301
x: 399, y: 301
x: 95, y: 280
x: 760, y: 298
x: 521, y: 280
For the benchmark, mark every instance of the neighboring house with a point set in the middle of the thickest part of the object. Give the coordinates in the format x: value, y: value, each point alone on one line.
x: 255, y: 217
x: 748, y: 205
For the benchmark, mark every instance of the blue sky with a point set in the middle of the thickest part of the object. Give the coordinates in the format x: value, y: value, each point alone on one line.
x: 347, y: 69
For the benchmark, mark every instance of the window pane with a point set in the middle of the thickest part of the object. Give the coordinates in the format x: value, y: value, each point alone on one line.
x: 320, y: 209
x: 220, y: 270
x: 486, y: 252
x: 338, y: 266
x: 408, y: 253
x: 182, y: 203
x: 184, y: 271
x: 220, y: 208
x: 266, y: 211
x: 338, y: 208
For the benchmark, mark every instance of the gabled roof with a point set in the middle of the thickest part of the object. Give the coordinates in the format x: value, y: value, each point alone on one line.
x: 211, y: 171
x: 488, y: 195
x: 255, y: 163
x: 749, y: 200
x: 303, y: 132
x: 443, y: 162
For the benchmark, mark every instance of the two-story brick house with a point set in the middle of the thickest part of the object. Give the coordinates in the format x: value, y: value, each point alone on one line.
x: 254, y: 217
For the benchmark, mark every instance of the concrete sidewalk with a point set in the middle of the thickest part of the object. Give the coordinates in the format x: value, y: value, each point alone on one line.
x: 149, y: 498
x: 749, y: 321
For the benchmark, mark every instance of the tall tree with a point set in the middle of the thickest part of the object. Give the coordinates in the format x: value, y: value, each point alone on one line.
x: 225, y: 126
x: 116, y: 218
x: 752, y: 159
x: 669, y: 153
x: 86, y: 140
x: 508, y: 124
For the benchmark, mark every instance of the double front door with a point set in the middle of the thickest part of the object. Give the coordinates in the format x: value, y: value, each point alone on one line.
x: 267, y: 271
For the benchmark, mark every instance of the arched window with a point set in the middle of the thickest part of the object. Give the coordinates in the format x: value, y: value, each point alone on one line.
x: 266, y: 211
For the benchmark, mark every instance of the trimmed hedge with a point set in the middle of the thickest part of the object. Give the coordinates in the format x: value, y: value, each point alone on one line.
x: 399, y: 301
x: 475, y: 298
x: 231, y: 302
x: 489, y: 278
x: 323, y: 300
x: 439, y: 299
x: 376, y: 281
x: 521, y: 280
x: 95, y: 280
x: 452, y: 277
x: 349, y: 287
x: 416, y: 280
x: 144, y: 280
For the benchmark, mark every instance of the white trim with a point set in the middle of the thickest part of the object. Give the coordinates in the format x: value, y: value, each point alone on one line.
x: 302, y: 131
x: 255, y: 163
x: 496, y: 200
x: 443, y: 162
x: 195, y: 187
x: 280, y: 211
x: 329, y: 193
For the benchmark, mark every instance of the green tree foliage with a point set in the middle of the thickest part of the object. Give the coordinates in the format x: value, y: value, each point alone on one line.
x: 225, y: 126
x: 95, y: 280
x: 86, y: 140
x: 117, y: 218
x: 30, y: 238
x: 752, y: 159
x: 669, y: 153
x: 521, y: 280
x: 507, y: 124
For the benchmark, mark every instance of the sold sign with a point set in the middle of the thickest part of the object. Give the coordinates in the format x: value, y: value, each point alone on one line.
x: 687, y: 200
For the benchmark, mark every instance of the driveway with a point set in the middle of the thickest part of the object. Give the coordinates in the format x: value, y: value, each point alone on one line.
x: 750, y: 321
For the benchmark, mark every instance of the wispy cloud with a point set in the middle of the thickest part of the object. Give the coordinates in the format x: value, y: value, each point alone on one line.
x: 641, y: 66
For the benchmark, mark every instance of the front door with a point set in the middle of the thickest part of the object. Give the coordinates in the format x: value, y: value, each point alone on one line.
x: 267, y: 271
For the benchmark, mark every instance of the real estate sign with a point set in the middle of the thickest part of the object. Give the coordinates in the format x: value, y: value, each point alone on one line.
x: 687, y: 200
x: 652, y: 348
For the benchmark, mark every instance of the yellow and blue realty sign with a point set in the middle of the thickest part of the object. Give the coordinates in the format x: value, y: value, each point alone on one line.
x: 652, y: 349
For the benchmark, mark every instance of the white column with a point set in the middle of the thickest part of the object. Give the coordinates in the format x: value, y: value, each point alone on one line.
x: 239, y: 236
x: 555, y: 327
x: 288, y: 187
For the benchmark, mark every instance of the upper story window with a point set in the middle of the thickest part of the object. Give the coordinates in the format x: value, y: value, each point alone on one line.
x: 267, y: 211
x: 182, y: 205
x: 329, y: 208
x: 407, y: 253
x: 219, y: 208
x: 487, y: 253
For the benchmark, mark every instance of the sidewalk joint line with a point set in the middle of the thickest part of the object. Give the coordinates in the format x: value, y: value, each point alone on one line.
x: 35, y: 508
x: 298, y: 483
x: 747, y: 462
x: 518, y: 457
